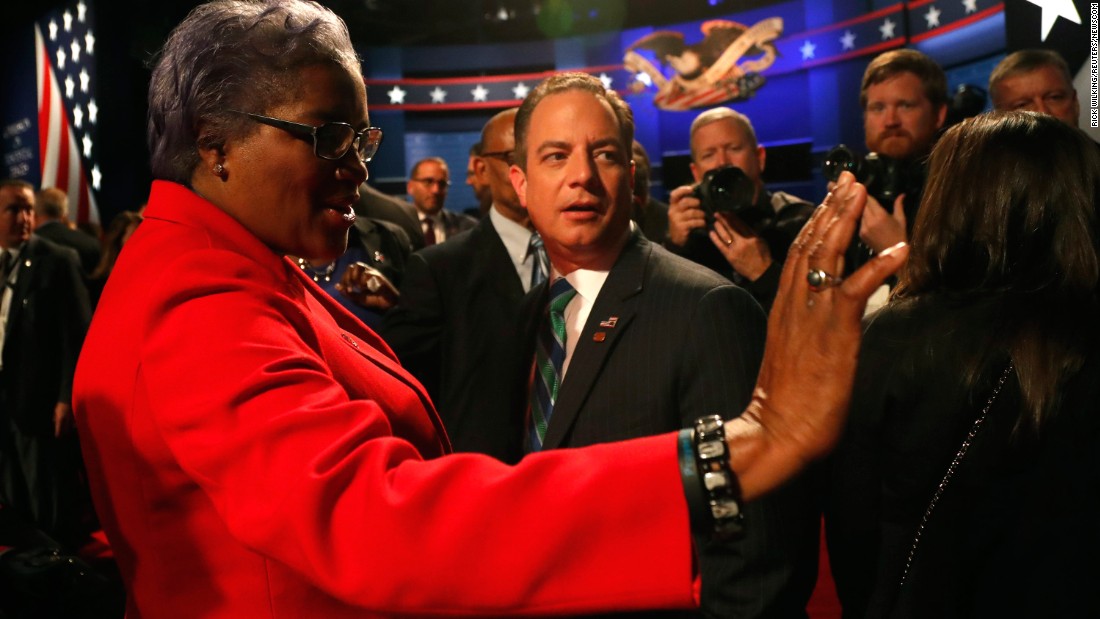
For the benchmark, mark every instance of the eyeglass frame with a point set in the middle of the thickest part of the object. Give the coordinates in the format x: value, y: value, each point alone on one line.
x: 507, y: 156
x: 428, y: 182
x: 302, y: 129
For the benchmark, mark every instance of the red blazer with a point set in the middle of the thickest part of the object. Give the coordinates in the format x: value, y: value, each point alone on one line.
x: 254, y: 451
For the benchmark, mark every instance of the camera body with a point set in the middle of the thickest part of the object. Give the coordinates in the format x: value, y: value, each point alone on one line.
x: 728, y: 190
x: 885, y: 178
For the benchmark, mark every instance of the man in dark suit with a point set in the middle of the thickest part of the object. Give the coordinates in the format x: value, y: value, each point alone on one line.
x: 44, y: 311
x: 456, y: 327
x: 652, y: 341
x: 375, y: 204
x: 429, y: 180
x: 51, y: 215
x: 650, y: 214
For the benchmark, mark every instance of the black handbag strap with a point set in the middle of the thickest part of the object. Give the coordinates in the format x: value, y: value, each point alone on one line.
x: 951, y: 471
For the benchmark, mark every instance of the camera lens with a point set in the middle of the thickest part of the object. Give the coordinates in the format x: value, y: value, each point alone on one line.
x: 838, y: 160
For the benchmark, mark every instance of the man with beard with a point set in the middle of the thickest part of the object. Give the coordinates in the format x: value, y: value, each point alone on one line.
x: 427, y: 186
x: 904, y: 101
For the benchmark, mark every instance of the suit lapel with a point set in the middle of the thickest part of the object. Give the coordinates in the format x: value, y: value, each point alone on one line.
x: 26, y: 263
x: 615, y: 307
x: 493, y: 259
x: 372, y: 348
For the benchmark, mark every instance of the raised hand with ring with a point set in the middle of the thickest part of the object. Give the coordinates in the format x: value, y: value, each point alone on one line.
x: 810, y: 357
x: 820, y: 280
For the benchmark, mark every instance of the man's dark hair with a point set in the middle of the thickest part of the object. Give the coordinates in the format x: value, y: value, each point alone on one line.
x: 15, y: 182
x: 565, y: 82
x: 416, y: 166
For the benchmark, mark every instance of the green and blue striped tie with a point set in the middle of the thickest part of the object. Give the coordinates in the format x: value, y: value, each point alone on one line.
x: 549, y: 359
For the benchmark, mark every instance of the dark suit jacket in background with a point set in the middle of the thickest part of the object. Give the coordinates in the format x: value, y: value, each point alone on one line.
x: 652, y: 218
x: 457, y: 330
x: 373, y: 203
x: 455, y: 223
x: 87, y: 248
x: 686, y: 343
x: 47, y: 321
x: 46, y: 324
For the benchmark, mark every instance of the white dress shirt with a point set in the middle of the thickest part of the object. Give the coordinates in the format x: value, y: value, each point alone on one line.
x: 437, y: 225
x: 588, y: 285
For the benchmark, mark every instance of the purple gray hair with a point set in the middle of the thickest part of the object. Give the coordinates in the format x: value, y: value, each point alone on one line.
x: 566, y: 82
x: 234, y: 54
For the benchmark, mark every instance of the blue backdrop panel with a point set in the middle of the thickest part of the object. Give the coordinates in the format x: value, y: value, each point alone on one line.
x: 454, y: 148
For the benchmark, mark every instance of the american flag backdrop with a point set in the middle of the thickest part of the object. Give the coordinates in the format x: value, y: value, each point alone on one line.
x: 67, y: 109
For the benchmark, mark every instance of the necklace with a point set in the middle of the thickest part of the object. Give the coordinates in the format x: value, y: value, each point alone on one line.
x: 318, y: 275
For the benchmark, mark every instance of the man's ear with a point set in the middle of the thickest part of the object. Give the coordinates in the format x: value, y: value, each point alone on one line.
x: 941, y: 116
x: 519, y: 183
x: 761, y: 157
x: 481, y: 170
x: 695, y: 172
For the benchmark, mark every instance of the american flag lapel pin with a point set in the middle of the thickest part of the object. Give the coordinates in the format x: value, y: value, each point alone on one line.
x: 610, y: 322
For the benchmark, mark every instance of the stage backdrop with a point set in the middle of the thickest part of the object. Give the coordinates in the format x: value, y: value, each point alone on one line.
x: 793, y: 67
x: 50, y: 110
x: 73, y: 111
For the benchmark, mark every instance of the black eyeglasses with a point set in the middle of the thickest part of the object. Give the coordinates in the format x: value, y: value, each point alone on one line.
x: 507, y: 156
x: 331, y: 140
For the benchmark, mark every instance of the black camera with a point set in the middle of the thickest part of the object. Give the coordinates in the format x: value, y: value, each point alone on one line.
x: 885, y: 178
x: 728, y: 190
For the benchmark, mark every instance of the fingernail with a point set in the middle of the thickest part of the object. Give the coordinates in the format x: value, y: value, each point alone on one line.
x: 891, y: 250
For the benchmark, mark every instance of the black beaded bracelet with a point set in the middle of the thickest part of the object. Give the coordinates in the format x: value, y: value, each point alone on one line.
x: 717, y: 478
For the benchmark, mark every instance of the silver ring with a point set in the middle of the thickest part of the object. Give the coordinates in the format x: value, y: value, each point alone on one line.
x: 820, y: 280
x: 729, y: 242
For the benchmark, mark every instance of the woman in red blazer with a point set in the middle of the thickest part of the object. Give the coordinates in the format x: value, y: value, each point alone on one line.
x: 256, y: 451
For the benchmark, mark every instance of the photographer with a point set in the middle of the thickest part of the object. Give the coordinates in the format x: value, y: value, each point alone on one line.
x: 750, y: 255
x: 904, y: 99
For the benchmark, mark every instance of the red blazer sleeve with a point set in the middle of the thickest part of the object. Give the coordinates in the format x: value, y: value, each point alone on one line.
x: 309, y: 446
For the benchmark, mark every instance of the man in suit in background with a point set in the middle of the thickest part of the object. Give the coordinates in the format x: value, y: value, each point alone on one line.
x: 651, y: 341
x: 44, y: 313
x: 427, y: 186
x: 378, y: 205
x: 51, y: 215
x: 456, y: 327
